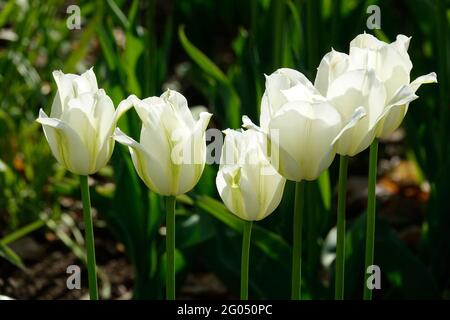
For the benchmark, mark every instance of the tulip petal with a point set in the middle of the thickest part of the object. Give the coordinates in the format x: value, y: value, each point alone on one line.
x: 71, y: 85
x: 333, y: 64
x: 180, y: 106
x: 305, y: 132
x: 78, y: 116
x: 397, y: 108
x: 193, y: 155
x: 274, y: 98
x: 247, y: 123
x: 359, y: 113
x: 230, y: 195
x: 64, y: 83
x: 147, y: 166
x: 66, y: 145
x: 366, y: 41
x: 123, y: 107
x: 428, y: 78
x: 87, y: 82
x: 352, y: 90
x: 355, y: 89
x: 393, y: 68
x: 275, y: 183
x: 57, y: 107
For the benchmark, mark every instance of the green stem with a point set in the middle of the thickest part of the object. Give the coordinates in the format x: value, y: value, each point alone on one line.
x: 89, y: 238
x: 340, y: 242
x: 170, y: 248
x: 245, y: 258
x: 297, y: 240
x: 370, y: 223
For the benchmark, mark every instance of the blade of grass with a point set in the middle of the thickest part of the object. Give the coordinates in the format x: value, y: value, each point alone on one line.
x: 11, y: 256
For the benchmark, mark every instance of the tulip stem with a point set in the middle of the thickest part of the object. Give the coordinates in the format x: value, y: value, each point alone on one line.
x: 89, y: 238
x: 370, y: 223
x: 245, y: 258
x: 340, y: 241
x: 297, y: 241
x: 170, y: 248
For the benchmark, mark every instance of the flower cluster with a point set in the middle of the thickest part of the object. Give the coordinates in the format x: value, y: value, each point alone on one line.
x: 355, y: 99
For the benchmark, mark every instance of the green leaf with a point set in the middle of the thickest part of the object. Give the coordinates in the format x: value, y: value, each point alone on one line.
x: 133, y: 51
x: 106, y: 44
x: 11, y: 256
x: 118, y: 14
x: 270, y: 243
x: 6, y: 11
x: 201, y: 59
x: 193, y: 229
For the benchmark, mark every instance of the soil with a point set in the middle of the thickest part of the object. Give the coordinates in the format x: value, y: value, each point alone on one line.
x: 47, y: 259
x: 45, y: 275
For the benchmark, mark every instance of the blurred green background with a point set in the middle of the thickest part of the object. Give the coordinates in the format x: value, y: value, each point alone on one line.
x: 216, y: 53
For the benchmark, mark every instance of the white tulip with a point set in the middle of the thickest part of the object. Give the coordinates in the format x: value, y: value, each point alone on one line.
x: 392, y: 66
x: 171, y: 154
x: 347, y: 90
x: 81, y: 123
x: 374, y: 76
x: 247, y: 183
x: 302, y: 126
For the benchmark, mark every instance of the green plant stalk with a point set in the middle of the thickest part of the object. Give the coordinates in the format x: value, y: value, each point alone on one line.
x: 297, y: 241
x: 370, y: 217
x: 170, y: 248
x: 89, y: 238
x: 245, y: 258
x: 340, y: 242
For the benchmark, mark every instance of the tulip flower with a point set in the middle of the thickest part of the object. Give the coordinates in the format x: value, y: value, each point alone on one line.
x: 81, y: 123
x: 79, y: 132
x: 347, y: 90
x: 170, y: 156
x: 392, y: 66
x: 248, y: 185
